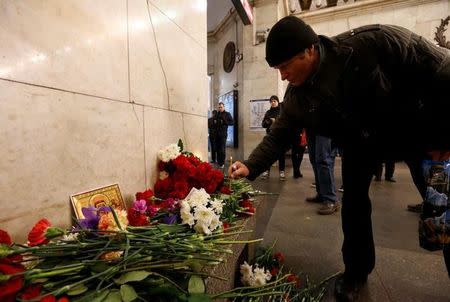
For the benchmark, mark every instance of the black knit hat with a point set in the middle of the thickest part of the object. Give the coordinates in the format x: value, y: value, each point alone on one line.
x: 287, y: 38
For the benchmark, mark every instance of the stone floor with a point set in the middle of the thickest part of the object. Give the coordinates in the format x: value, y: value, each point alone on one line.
x: 311, y: 243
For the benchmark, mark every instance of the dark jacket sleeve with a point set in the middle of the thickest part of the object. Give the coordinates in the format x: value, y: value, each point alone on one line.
x: 266, y: 122
x: 228, y: 119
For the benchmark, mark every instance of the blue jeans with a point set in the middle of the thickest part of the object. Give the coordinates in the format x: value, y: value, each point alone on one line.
x: 322, y: 156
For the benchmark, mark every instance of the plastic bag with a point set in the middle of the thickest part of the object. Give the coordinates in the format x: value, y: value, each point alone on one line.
x: 434, y: 225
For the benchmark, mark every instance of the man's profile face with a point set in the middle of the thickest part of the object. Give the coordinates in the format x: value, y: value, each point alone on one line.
x: 297, y: 69
x: 221, y: 108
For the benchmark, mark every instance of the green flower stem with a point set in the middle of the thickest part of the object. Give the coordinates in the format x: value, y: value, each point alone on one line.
x: 206, y: 275
x: 41, y: 270
x: 54, y: 272
x: 170, y: 281
x: 228, y: 234
x: 170, y: 265
x: 66, y: 288
x: 237, y: 289
x: 237, y: 241
x: 50, y: 285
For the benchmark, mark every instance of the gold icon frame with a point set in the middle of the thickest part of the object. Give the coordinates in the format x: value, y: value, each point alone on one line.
x: 104, y: 196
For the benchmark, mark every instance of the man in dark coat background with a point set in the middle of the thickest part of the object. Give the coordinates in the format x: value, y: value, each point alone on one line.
x: 224, y: 119
x: 339, y: 88
x: 212, y: 133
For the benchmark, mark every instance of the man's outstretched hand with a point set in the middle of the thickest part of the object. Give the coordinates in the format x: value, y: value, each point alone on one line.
x: 238, y: 170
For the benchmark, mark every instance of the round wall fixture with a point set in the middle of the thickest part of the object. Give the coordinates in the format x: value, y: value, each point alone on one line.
x: 229, y: 56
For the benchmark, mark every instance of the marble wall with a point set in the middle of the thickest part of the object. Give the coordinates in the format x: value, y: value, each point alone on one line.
x: 90, y: 91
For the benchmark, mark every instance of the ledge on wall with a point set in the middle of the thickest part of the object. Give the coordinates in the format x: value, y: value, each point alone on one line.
x: 355, y: 8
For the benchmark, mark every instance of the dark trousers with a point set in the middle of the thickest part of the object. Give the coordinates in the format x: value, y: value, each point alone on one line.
x: 358, y: 248
x: 281, y: 163
x: 213, y: 148
x: 297, y: 152
x: 221, y: 142
x: 415, y: 168
x: 389, y: 167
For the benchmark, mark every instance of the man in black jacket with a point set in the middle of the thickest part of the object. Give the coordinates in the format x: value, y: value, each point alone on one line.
x: 340, y: 87
x: 224, y: 119
x: 212, y: 133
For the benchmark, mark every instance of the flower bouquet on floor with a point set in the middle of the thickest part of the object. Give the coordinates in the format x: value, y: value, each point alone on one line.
x: 265, y: 280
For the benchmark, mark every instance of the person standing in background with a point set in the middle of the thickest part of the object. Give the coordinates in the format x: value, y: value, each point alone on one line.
x: 389, y: 168
x: 322, y: 156
x: 212, y: 134
x: 223, y: 119
x: 269, y: 118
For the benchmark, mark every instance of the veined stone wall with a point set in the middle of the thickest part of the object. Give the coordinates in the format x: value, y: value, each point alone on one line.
x: 90, y: 91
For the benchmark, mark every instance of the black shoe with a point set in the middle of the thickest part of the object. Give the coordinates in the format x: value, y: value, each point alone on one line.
x: 298, y: 174
x: 346, y: 290
x: 377, y: 179
x: 391, y: 179
x: 315, y: 199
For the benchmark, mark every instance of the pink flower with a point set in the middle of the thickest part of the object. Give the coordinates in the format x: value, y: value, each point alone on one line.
x: 140, y: 206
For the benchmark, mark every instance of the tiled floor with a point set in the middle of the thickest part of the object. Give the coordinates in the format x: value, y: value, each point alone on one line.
x: 311, y: 243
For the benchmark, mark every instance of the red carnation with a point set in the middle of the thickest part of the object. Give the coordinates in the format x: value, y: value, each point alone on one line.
x: 225, y: 226
x: 194, y: 160
x: 136, y: 218
x: 37, y: 234
x: 248, y: 206
x: 279, y: 256
x: 48, y: 298
x: 180, y: 190
x: 225, y: 190
x: 9, y: 289
x: 146, y: 195
x: 294, y: 278
x: 51, y: 298
x: 184, y: 168
x: 163, y: 188
x: 5, y: 238
x: 274, y: 271
x: 31, y: 292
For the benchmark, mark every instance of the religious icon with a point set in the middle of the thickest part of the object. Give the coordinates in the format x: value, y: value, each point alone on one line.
x: 105, y: 196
